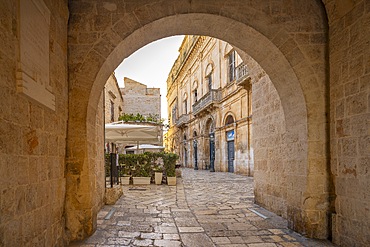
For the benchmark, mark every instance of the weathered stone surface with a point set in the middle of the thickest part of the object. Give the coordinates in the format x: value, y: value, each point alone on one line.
x: 276, y: 36
x: 112, y: 195
x: 135, y: 95
x: 274, y: 230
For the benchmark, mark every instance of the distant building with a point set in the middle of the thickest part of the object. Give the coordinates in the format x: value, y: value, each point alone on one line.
x: 113, y: 100
x: 112, y: 104
x: 138, y: 98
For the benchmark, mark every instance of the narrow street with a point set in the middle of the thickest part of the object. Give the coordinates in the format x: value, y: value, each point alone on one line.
x: 204, y: 209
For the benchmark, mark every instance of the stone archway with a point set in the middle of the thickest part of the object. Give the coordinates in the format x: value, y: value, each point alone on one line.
x: 102, y: 34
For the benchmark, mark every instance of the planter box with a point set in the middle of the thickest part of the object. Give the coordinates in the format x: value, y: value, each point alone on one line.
x: 125, y: 180
x: 171, y: 181
x: 158, y: 177
x: 141, y: 180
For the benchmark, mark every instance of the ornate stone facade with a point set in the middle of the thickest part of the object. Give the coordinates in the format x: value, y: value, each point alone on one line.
x: 209, y: 93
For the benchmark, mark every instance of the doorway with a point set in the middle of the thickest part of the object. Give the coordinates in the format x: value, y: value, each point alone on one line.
x: 230, y: 150
x: 230, y: 156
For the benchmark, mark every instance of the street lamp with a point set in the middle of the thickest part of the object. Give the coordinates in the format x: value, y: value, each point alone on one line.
x: 212, y: 151
x: 195, y: 145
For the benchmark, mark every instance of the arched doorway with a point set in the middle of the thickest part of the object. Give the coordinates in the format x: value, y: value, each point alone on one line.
x: 230, y: 137
x: 195, y: 150
x: 210, y: 148
x: 274, y: 46
x: 185, y: 151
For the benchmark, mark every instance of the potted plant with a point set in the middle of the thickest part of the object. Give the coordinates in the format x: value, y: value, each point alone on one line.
x: 158, y: 174
x: 126, y: 161
x: 142, y: 171
x: 124, y: 174
x: 157, y: 167
x: 169, y: 161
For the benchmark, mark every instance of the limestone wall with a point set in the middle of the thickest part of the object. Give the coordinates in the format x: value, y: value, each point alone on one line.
x: 350, y: 120
x: 112, y: 94
x: 136, y: 96
x: 271, y: 154
x: 32, y: 137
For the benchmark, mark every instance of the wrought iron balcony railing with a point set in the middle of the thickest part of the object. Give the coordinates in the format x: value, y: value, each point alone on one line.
x: 242, y: 76
x: 182, y: 120
x: 208, y: 100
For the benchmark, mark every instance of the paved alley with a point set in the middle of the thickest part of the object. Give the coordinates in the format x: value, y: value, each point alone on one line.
x: 204, y: 209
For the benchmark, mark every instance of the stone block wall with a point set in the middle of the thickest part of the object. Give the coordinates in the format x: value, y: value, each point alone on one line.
x: 273, y: 169
x: 32, y: 138
x: 137, y: 98
x: 96, y: 154
x: 350, y: 119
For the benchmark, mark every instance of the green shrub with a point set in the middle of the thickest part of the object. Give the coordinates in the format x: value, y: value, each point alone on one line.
x: 169, y: 161
x: 144, y: 165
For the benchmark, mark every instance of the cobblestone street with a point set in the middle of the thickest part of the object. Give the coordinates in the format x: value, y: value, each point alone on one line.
x: 204, y: 209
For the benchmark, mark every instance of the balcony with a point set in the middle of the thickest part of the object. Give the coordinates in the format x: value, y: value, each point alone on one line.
x: 207, y: 101
x: 182, y: 120
x: 242, y: 76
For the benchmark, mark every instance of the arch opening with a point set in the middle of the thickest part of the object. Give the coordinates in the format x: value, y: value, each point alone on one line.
x: 289, y: 81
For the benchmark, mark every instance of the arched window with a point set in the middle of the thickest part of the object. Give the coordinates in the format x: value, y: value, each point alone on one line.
x: 229, y: 120
x: 208, y: 77
x: 185, y: 103
x: 209, y: 82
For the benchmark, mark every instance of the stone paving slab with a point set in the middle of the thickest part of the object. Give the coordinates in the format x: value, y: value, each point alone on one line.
x: 204, y: 209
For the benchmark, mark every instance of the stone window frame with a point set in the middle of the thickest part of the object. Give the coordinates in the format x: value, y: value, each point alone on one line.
x: 111, y: 111
x: 229, y: 115
x: 185, y: 103
x: 209, y: 75
x: 231, y: 66
x: 195, y: 90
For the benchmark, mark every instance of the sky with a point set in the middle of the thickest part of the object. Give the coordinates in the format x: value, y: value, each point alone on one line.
x: 150, y: 65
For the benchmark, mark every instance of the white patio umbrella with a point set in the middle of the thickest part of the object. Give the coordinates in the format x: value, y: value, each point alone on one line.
x: 120, y: 132
x: 145, y: 147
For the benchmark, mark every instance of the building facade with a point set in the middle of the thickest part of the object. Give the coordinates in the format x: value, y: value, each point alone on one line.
x: 138, y: 98
x: 209, y: 105
x: 113, y: 101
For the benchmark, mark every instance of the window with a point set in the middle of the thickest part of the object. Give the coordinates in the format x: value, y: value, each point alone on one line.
x: 231, y: 65
x: 229, y: 120
x: 209, y: 80
x: 195, y: 95
x: 111, y: 111
x: 174, y: 114
x: 185, y: 106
